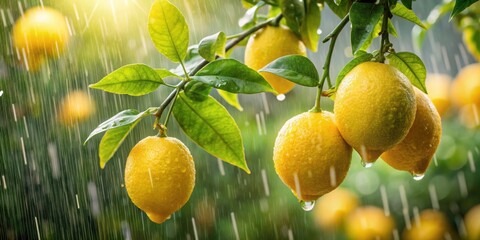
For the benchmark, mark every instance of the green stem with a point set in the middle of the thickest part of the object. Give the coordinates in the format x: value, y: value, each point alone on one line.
x: 173, y: 95
x: 385, y: 42
x: 171, y: 107
x: 326, y: 67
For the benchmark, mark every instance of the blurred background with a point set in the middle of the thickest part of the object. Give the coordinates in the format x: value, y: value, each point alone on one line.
x: 52, y: 186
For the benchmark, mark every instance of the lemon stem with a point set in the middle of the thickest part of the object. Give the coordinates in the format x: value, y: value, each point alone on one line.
x: 385, y: 42
x: 173, y: 95
x: 326, y: 66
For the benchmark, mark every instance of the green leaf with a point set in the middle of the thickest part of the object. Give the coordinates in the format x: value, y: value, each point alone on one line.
x: 410, y: 65
x: 294, y: 13
x: 391, y: 28
x: 407, y: 3
x: 164, y: 73
x: 364, y: 17
x: 168, y: 30
x: 403, y: 12
x: 351, y: 65
x: 111, y: 141
x: 250, y: 16
x: 460, y: 5
x: 341, y: 9
x: 309, y: 28
x: 117, y: 129
x: 230, y: 98
x: 134, y: 80
x: 197, y: 91
x: 122, y: 118
x: 191, y: 61
x: 232, y: 76
x: 210, y: 126
x: 295, y: 68
x: 213, y: 45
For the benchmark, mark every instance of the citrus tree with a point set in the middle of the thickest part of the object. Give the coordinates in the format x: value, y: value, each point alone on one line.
x: 379, y: 84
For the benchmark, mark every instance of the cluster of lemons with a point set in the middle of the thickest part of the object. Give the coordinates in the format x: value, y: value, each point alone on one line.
x: 341, y: 209
x: 377, y: 112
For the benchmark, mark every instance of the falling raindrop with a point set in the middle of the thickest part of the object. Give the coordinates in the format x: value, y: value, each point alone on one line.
x: 418, y: 176
x: 307, y: 205
x: 366, y: 164
x: 281, y: 97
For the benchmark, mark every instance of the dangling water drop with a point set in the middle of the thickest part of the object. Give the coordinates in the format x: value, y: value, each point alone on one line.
x: 366, y: 164
x: 418, y: 176
x: 281, y: 97
x: 307, y: 205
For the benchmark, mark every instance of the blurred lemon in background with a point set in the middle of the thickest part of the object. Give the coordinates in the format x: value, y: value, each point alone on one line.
x: 76, y: 107
x: 40, y: 32
x: 269, y: 44
x: 471, y: 38
x: 466, y: 87
x: 310, y: 155
x: 414, y: 153
x: 374, y: 108
x: 430, y: 225
x: 369, y: 223
x: 472, y: 223
x: 438, y: 88
x: 159, y: 176
x: 332, y: 208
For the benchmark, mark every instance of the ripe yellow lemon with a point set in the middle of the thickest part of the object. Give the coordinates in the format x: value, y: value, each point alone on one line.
x: 374, y: 108
x: 438, y: 87
x: 472, y: 223
x: 466, y: 87
x: 415, y: 152
x: 310, y: 155
x: 159, y: 176
x: 430, y: 225
x: 75, y: 107
x: 367, y: 223
x: 471, y: 38
x: 269, y: 44
x: 41, y: 30
x: 332, y: 208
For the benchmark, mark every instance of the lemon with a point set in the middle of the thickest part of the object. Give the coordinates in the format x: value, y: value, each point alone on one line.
x: 159, y: 176
x: 466, y: 87
x: 75, y: 107
x: 415, y: 152
x: 310, y: 155
x: 374, y: 108
x: 332, y: 208
x: 368, y: 223
x: 471, y: 38
x: 430, y: 225
x: 269, y: 44
x: 472, y: 224
x: 438, y: 88
x: 41, y: 30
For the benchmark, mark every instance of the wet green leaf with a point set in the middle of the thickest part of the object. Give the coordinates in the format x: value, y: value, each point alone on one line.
x: 213, y: 45
x: 164, y: 73
x: 250, y: 16
x: 134, y: 80
x: 294, y: 13
x: 339, y: 7
x: 364, y: 17
x: 232, y: 76
x: 125, y: 117
x: 230, y: 98
x: 168, y: 30
x: 308, y: 30
x: 407, y: 3
x: 197, y: 91
x: 295, y: 68
x: 410, y: 65
x: 461, y: 5
x: 117, y: 129
x: 403, y: 12
x: 365, y: 57
x: 210, y: 126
